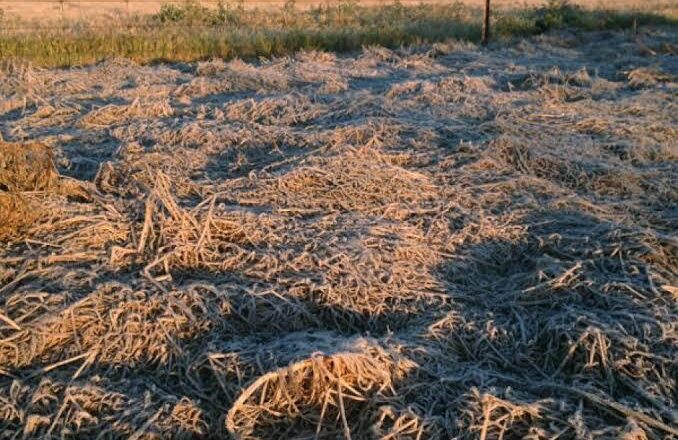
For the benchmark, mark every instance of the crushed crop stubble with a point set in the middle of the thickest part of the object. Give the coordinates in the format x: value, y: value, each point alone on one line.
x: 427, y: 243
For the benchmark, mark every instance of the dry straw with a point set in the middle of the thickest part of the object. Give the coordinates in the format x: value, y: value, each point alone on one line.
x: 320, y: 393
x: 26, y: 167
x: 423, y: 243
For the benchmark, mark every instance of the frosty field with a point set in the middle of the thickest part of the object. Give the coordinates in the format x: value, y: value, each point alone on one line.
x: 434, y: 242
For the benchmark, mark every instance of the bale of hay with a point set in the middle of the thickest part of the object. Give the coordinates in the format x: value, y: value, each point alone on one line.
x: 16, y: 215
x: 27, y: 167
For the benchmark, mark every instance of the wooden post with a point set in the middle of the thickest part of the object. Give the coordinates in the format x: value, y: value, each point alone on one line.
x: 61, y: 14
x: 485, y: 38
x: 128, y: 16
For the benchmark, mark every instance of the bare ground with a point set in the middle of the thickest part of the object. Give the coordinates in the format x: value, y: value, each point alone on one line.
x: 438, y: 242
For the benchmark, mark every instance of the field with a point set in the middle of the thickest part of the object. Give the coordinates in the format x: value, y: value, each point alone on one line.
x: 429, y: 242
x: 81, y: 34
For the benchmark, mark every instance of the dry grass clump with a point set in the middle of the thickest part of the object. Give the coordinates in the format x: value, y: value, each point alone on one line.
x: 490, y: 417
x: 646, y: 77
x: 81, y: 406
x: 321, y: 68
x: 386, y: 270
x: 134, y: 174
x: 21, y: 85
x: 216, y: 76
x: 16, y: 215
x: 115, y: 325
x: 364, y: 180
x: 290, y: 110
x: 49, y: 116
x: 571, y: 173
x: 202, y: 239
x: 245, y: 76
x: 117, y: 114
x: 323, y: 396
x: 92, y: 408
x: 27, y: 167
x: 453, y: 90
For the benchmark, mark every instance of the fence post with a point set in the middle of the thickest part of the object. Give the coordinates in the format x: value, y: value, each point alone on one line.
x: 61, y: 14
x: 485, y: 38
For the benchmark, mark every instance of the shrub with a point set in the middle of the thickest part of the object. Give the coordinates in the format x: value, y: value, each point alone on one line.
x: 554, y: 15
x: 170, y: 13
x: 190, y: 12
